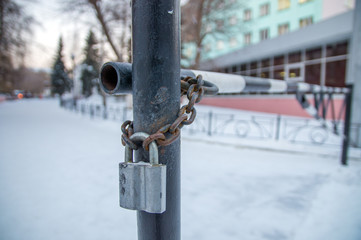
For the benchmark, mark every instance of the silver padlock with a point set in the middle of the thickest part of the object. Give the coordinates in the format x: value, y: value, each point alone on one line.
x: 143, y: 184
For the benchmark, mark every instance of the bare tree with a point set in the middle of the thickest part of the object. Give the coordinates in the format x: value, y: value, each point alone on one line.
x: 15, y: 30
x: 204, y: 20
x: 110, y: 15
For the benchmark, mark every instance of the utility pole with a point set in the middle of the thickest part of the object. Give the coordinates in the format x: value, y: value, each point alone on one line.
x: 156, y: 101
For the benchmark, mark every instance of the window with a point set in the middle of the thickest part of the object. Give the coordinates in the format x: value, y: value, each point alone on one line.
x: 336, y: 49
x: 294, y: 73
x: 220, y: 45
x: 304, y: 1
x: 263, y: 34
x: 265, y: 62
x: 234, y: 68
x: 264, y: 10
x: 253, y: 65
x: 279, y: 74
x: 233, y: 42
x: 247, y: 38
x: 233, y: 20
x: 336, y: 73
x: 243, y: 67
x: 283, y: 4
x: 279, y: 60
x: 305, y: 22
x: 294, y: 57
x: 247, y: 15
x: 314, y: 53
x: 265, y: 74
x: 313, y: 74
x: 283, y: 28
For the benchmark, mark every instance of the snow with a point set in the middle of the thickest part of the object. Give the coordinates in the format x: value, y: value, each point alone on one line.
x: 59, y: 180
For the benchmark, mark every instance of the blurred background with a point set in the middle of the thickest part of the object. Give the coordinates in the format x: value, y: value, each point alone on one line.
x: 253, y: 166
x: 44, y: 41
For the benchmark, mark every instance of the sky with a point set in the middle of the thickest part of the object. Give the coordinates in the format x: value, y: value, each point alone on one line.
x: 51, y: 25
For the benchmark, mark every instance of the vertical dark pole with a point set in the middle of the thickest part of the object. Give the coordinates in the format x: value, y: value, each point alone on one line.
x: 347, y: 122
x: 278, y: 127
x: 354, y: 71
x: 315, y: 97
x: 156, y: 101
x: 323, y: 104
x: 92, y: 111
x: 210, y: 118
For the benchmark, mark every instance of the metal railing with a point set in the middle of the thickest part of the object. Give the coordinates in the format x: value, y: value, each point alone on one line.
x: 251, y: 126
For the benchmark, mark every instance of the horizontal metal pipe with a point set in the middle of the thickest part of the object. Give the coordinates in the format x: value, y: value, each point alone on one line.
x: 116, y: 78
x: 230, y: 83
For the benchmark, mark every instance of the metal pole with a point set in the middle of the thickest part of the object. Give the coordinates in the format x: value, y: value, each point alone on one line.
x: 347, y: 122
x: 210, y: 119
x: 354, y: 71
x: 278, y: 127
x: 156, y: 101
x: 116, y: 79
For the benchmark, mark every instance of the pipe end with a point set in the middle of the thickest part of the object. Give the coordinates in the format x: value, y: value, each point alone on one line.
x: 116, y: 78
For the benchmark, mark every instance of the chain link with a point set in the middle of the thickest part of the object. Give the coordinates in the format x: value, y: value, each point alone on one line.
x: 127, y: 129
x: 194, y: 89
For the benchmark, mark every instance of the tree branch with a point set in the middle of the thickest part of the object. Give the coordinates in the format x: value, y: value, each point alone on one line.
x: 100, y: 17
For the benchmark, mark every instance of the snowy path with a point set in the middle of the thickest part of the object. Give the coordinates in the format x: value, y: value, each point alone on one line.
x: 59, y: 180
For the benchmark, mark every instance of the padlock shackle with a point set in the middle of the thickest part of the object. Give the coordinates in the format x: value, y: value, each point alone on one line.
x: 153, y: 148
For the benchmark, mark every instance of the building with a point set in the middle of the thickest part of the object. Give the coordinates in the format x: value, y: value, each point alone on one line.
x: 316, y: 54
x: 277, y: 39
x: 259, y: 20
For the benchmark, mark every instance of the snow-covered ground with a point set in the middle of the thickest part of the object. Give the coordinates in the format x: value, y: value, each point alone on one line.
x: 59, y: 180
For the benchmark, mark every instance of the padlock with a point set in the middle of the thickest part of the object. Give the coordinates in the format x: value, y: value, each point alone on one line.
x: 143, y: 184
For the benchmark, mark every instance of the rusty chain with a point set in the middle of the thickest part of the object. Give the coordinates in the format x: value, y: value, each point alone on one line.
x: 194, y: 89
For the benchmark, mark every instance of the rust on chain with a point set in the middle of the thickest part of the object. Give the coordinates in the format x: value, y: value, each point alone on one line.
x: 165, y: 128
x: 127, y: 129
x: 178, y: 123
x: 191, y: 118
x: 169, y: 140
x: 184, y: 87
x: 154, y: 137
x: 194, y: 89
x: 126, y: 141
x: 200, y: 95
x: 200, y: 81
x: 192, y: 101
x: 125, y: 126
